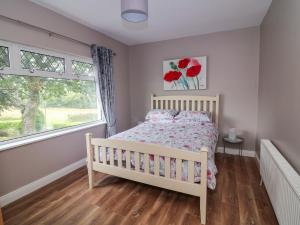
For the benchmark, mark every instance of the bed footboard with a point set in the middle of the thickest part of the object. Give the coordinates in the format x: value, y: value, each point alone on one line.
x: 119, y: 169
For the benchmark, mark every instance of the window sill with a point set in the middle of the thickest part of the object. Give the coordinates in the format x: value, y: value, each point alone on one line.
x: 44, y: 136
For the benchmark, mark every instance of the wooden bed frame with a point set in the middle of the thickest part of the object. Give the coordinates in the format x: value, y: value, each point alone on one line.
x: 116, y: 168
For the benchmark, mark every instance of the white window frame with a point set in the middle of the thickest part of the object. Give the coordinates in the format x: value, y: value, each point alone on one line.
x: 68, y: 64
x: 15, y: 68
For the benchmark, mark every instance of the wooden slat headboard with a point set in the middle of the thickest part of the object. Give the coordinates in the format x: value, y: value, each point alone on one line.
x: 187, y: 102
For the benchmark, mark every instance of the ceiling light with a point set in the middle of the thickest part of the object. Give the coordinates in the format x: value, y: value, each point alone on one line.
x: 134, y: 10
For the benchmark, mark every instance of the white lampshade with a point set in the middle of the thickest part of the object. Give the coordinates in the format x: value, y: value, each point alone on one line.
x: 232, y: 133
x: 134, y: 10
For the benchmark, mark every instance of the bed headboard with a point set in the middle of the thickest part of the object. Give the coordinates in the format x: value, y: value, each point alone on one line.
x: 187, y: 102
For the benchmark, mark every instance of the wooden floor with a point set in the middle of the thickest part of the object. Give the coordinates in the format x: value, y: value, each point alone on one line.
x: 237, y: 200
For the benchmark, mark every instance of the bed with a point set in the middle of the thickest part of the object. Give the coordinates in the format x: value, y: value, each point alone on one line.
x: 154, y: 154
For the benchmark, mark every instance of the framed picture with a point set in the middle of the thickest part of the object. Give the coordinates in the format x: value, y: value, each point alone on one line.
x: 185, y: 73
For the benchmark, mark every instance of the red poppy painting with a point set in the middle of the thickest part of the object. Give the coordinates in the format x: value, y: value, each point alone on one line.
x: 187, y: 73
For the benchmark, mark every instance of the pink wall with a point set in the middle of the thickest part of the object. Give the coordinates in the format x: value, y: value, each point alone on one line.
x: 25, y: 164
x: 233, y: 65
x: 280, y: 78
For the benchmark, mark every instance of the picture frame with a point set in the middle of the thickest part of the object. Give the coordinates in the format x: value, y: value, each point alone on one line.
x: 187, y: 73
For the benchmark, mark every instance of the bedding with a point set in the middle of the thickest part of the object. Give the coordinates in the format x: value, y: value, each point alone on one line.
x: 188, y: 135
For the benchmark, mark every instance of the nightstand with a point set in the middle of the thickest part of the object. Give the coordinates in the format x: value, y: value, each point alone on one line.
x: 239, y: 141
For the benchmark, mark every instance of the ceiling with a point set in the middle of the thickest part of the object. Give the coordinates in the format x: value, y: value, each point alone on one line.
x: 168, y: 19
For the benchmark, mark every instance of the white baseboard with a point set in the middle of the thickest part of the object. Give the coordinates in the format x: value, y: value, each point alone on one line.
x: 232, y: 151
x: 33, y: 186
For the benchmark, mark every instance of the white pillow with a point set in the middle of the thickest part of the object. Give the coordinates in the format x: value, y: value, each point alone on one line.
x: 157, y: 115
x: 193, y: 116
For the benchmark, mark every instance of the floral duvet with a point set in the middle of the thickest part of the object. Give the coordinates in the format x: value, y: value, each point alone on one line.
x: 190, y: 136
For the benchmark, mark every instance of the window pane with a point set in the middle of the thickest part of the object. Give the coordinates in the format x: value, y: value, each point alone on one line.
x: 30, y: 105
x: 82, y: 68
x: 41, y: 62
x: 4, y: 57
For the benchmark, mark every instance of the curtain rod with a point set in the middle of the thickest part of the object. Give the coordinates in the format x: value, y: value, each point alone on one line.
x: 49, y: 32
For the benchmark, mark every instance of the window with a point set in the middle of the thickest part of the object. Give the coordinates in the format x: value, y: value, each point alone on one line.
x: 41, y: 93
x: 35, y: 61
x: 82, y: 68
x: 4, y: 57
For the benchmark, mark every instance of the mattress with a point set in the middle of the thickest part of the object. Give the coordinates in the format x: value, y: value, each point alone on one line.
x: 189, y: 136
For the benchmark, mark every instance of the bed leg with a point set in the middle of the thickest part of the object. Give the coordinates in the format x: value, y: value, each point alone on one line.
x: 203, y: 186
x: 90, y: 157
x: 203, y: 209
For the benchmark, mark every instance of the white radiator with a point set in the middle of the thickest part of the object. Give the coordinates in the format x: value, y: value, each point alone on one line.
x: 282, y: 183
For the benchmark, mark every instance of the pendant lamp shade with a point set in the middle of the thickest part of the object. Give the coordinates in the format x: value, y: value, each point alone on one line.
x: 134, y: 10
